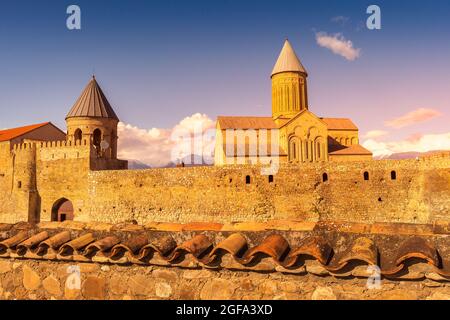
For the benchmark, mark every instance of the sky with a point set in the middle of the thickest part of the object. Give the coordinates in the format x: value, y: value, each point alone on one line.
x: 165, y: 64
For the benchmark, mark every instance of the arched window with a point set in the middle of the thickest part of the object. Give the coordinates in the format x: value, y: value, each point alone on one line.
x: 393, y: 175
x: 78, y: 135
x: 271, y: 179
x: 293, y: 150
x: 247, y: 180
x: 366, y: 175
x: 318, y: 151
x: 325, y: 177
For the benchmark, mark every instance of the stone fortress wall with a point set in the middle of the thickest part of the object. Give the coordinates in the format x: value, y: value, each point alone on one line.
x: 34, y: 177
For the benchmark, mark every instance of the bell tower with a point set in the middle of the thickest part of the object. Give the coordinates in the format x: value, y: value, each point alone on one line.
x: 93, y: 120
x: 289, y: 88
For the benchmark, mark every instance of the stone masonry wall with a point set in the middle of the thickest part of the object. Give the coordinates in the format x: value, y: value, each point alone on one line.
x: 34, y: 279
x: 419, y: 193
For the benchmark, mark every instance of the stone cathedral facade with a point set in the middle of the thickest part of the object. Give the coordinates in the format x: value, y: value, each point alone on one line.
x: 301, y: 136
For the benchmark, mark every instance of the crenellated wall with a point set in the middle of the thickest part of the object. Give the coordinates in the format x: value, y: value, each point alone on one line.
x: 34, y: 175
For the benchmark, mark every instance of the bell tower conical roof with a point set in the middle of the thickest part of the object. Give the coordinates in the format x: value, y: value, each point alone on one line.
x: 92, y: 103
x: 288, y: 61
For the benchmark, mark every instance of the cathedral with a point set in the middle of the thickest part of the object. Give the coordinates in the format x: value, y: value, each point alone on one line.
x: 295, y: 133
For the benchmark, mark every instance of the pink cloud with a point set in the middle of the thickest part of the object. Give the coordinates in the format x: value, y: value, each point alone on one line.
x: 413, y: 117
x: 157, y: 147
x: 376, y: 134
x: 419, y: 143
x: 415, y: 137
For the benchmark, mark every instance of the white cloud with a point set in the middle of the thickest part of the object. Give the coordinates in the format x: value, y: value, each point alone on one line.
x: 375, y: 134
x: 156, y: 146
x: 418, y: 143
x: 338, y: 45
x: 413, y: 117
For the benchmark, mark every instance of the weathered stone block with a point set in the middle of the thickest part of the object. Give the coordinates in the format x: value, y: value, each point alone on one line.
x: 323, y: 293
x: 31, y: 280
x: 94, y: 288
x: 52, y: 286
x: 163, y: 290
x: 218, y: 289
x: 5, y: 266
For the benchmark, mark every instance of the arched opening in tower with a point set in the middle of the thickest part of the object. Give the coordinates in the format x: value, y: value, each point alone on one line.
x: 97, y: 140
x: 62, y: 210
x: 78, y: 135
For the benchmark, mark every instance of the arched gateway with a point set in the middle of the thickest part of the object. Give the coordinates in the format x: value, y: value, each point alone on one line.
x: 62, y: 210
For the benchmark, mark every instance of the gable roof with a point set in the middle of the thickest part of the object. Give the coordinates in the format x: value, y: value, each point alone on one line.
x: 356, y: 149
x: 299, y: 114
x: 246, y: 123
x: 288, y: 61
x: 92, y: 103
x: 339, y: 124
x: 9, y: 134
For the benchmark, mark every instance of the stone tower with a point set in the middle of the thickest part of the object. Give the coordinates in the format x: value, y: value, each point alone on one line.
x: 289, y: 89
x: 92, y: 119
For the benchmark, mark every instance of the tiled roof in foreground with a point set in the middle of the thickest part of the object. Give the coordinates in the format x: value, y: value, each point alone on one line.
x: 401, y: 251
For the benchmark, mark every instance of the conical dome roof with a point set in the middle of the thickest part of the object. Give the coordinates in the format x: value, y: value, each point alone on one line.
x: 92, y: 103
x: 288, y: 61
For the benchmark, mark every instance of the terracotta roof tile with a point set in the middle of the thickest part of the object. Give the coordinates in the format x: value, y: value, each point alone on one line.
x: 339, y: 124
x: 9, y: 134
x: 246, y: 122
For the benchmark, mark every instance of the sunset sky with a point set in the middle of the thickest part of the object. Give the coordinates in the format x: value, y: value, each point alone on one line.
x: 164, y: 64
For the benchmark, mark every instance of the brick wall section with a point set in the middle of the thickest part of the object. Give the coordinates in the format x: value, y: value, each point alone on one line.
x: 29, y: 279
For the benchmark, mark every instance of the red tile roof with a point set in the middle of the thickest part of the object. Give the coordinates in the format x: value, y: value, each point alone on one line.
x: 9, y: 134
